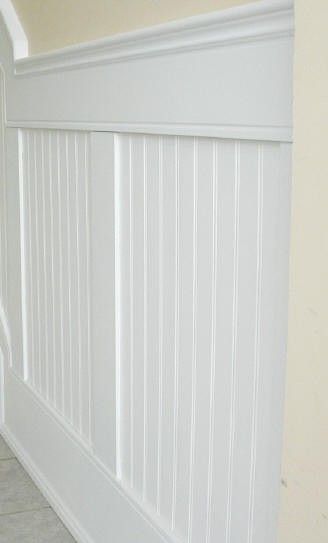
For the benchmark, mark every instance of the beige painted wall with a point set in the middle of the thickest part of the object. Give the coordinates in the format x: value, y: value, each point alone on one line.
x: 304, y: 510
x: 51, y: 24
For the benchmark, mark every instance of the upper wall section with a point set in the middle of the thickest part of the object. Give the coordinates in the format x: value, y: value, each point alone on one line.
x: 57, y: 23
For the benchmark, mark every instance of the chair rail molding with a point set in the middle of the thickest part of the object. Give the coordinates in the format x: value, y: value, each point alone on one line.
x: 251, y: 46
x: 144, y: 241
x: 270, y: 19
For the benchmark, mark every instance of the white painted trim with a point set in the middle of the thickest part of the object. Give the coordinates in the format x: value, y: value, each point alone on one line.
x: 5, y: 329
x: 15, y: 29
x: 5, y: 357
x: 98, y: 98
x: 55, y: 501
x: 255, y: 133
x: 255, y: 21
x: 226, y: 75
x: 71, y: 522
x: 23, y: 257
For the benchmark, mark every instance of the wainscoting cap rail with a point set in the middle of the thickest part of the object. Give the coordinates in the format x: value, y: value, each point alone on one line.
x: 255, y: 21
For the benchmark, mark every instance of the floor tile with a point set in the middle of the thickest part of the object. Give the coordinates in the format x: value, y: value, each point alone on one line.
x: 17, y: 490
x: 5, y: 452
x: 33, y: 527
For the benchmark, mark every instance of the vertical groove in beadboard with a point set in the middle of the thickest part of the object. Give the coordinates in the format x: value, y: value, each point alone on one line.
x: 234, y: 341
x: 38, y: 260
x: 118, y: 301
x: 45, y: 316
x: 131, y: 323
x: 79, y: 325
x: 145, y: 257
x: 3, y: 238
x: 41, y: 153
x: 31, y: 361
x: 160, y: 320
x: 194, y: 339
x: 213, y: 341
x: 54, y: 361
x: 22, y: 203
x: 69, y: 294
x: 60, y: 252
x: 176, y: 339
x: 2, y: 205
x: 87, y: 176
x: 2, y: 201
x: 257, y: 340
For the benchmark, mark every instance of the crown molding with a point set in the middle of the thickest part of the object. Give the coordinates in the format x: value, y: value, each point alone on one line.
x: 15, y: 29
x: 263, y: 20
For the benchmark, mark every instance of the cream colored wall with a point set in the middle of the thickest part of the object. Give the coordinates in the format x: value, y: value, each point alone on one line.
x: 304, y: 508
x: 51, y: 24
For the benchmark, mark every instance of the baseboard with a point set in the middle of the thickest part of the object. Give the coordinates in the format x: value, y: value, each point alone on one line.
x: 66, y: 516
x: 80, y: 489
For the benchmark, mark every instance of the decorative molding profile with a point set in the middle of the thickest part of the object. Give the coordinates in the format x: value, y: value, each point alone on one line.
x: 253, y: 133
x: 255, y: 21
x: 15, y: 29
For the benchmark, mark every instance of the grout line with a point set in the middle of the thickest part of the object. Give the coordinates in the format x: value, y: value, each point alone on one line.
x: 8, y: 458
x: 194, y: 342
x: 26, y: 511
x: 145, y: 317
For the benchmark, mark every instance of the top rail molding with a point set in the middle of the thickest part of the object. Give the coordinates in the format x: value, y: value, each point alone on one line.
x: 256, y: 21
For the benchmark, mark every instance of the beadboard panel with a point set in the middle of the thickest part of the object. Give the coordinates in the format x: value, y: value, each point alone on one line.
x: 144, y: 262
x: 193, y: 290
x: 3, y: 198
x: 55, y: 192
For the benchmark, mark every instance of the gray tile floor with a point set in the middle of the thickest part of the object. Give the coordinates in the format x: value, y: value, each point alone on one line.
x: 25, y: 515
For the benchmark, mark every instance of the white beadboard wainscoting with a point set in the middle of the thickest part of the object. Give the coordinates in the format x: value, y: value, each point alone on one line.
x: 145, y: 202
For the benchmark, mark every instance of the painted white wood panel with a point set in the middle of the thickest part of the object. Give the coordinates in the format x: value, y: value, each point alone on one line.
x: 93, y: 95
x: 199, y: 245
x: 56, y: 247
x: 3, y: 204
x: 144, y: 252
x: 181, y: 96
x: 13, y: 202
x: 101, y: 371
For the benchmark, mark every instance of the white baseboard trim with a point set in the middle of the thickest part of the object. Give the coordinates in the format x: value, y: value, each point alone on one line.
x: 27, y: 416
x: 48, y: 492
